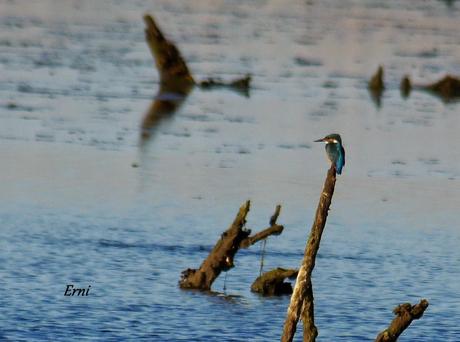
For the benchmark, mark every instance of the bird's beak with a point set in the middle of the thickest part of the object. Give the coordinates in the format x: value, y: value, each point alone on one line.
x: 319, y: 140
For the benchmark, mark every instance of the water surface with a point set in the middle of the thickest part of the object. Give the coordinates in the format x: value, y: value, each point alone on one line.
x: 76, y: 81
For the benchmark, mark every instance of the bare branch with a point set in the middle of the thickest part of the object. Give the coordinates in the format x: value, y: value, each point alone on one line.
x: 405, y: 314
x: 302, y: 297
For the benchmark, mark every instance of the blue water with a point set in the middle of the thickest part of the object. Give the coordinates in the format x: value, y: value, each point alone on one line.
x: 84, y: 202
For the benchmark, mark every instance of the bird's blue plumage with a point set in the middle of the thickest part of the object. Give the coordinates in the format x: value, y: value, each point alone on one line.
x: 334, y: 150
x: 336, y: 155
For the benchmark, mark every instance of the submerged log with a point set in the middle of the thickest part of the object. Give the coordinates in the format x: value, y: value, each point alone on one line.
x: 405, y: 314
x: 301, y: 305
x: 240, y: 85
x: 272, y: 283
x: 447, y: 88
x: 376, y: 81
x: 376, y: 86
x: 222, y: 255
x: 405, y: 86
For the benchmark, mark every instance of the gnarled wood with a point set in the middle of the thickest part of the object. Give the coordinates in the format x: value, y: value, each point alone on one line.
x: 222, y: 255
x: 301, y: 305
x: 405, y: 314
x: 272, y: 283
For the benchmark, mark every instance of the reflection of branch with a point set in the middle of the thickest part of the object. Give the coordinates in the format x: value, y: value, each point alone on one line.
x: 176, y: 80
x: 173, y: 68
x: 405, y: 314
x: 166, y: 103
x: 301, y: 304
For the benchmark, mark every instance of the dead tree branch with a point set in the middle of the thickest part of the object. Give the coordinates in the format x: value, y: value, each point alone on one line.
x: 222, y: 255
x: 274, y: 229
x: 302, y: 298
x: 405, y: 314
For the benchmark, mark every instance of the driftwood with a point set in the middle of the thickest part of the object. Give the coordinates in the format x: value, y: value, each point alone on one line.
x: 301, y: 305
x: 376, y: 81
x: 222, y: 255
x: 405, y: 86
x: 376, y: 86
x: 240, y: 85
x: 176, y: 80
x: 447, y: 88
x: 272, y: 283
x: 405, y: 314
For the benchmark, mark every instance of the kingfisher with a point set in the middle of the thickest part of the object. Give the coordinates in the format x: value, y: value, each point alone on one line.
x: 335, y: 151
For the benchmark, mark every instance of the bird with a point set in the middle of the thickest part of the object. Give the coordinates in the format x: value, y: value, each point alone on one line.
x: 334, y: 150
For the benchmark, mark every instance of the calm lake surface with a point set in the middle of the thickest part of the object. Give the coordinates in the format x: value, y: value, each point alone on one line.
x: 84, y: 202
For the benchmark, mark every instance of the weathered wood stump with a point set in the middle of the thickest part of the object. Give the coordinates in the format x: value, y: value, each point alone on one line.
x: 447, y: 88
x: 376, y: 81
x: 272, y: 283
x: 405, y: 86
x: 301, y: 305
x: 376, y: 86
x: 222, y: 255
x: 405, y: 314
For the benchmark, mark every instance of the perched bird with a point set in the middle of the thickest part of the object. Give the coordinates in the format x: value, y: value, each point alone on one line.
x: 334, y: 150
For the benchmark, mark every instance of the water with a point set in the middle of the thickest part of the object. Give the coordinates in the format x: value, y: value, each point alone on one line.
x: 76, y: 81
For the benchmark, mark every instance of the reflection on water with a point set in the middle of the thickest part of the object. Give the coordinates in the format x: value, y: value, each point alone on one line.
x: 166, y: 103
x: 77, y: 79
x: 176, y: 81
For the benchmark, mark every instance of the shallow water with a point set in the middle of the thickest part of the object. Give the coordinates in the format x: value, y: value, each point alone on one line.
x: 76, y: 81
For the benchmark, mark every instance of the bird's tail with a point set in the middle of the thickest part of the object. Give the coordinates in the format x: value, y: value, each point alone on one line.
x: 338, y: 168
